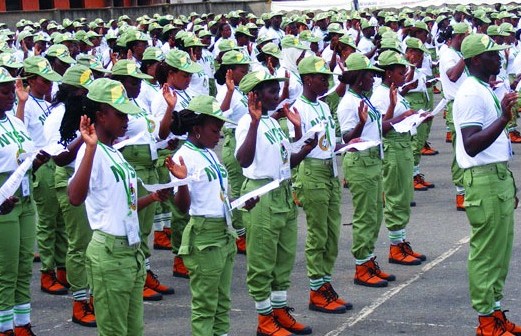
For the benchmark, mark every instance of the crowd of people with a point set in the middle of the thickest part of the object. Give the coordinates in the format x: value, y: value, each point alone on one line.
x: 134, y: 103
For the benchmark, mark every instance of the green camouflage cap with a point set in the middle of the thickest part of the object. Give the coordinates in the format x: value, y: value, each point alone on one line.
x: 272, y: 49
x: 153, y: 53
x: 477, y: 44
x: 335, y: 28
x: 461, y: 28
x: 308, y: 36
x: 227, y: 45
x: 92, y: 62
x: 243, y: 30
x: 113, y: 93
x: 111, y: 36
x: 358, y: 61
x: 263, y: 38
x: 481, y: 15
x: 440, y: 18
x: 365, y: 24
x: 313, y: 65
x: 181, y: 60
x: 193, y: 41
x: 252, y: 79
x: 82, y: 37
x: 24, y: 34
x: 390, y: 57
x: 494, y: 30
x: 348, y: 40
x: 5, y: 76
x: 37, y: 65
x: 128, y: 68
x: 507, y: 27
x: 66, y: 37
x: 462, y: 9
x: 137, y: 36
x: 207, y: 105
x: 321, y: 16
x: 290, y: 41
x: 391, y: 43
x: 421, y: 25
x: 78, y: 75
x: 414, y: 43
x: 235, y: 57
x: 8, y: 59
x: 203, y: 33
x: 61, y: 52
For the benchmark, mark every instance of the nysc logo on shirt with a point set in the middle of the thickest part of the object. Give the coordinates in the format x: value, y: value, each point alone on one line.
x: 274, y: 135
x: 13, y: 137
x: 212, y: 174
x: 120, y: 173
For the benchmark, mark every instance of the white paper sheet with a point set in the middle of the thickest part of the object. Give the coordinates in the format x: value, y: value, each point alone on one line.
x: 360, y: 146
x: 172, y: 184
x: 238, y: 203
x: 441, y: 105
x: 297, y: 145
x: 13, y: 182
x: 129, y: 141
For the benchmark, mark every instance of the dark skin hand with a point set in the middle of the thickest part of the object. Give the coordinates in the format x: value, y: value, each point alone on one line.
x: 8, y: 205
x: 40, y: 159
x: 476, y: 139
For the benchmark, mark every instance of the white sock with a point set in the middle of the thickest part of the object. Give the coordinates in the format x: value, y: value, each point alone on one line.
x: 147, y: 264
x: 22, y: 314
x: 279, y: 299
x: 263, y: 307
x: 6, y: 320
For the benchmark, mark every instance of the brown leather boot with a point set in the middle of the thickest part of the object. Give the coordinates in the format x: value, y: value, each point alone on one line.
x: 153, y: 283
x: 49, y: 284
x: 83, y: 314
x: 491, y: 326
x: 268, y: 326
x: 162, y: 241
x: 241, y: 244
x: 151, y: 295
x: 398, y: 255
x: 365, y: 275
x: 61, y: 276
x: 324, y: 300
x: 24, y: 330
x: 179, y: 268
x: 509, y: 326
x: 287, y: 321
x: 421, y: 179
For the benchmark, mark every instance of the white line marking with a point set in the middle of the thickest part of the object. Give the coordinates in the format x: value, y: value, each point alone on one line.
x: 368, y: 310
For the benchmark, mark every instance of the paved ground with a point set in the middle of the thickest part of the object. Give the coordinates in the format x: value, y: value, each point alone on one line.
x: 431, y: 299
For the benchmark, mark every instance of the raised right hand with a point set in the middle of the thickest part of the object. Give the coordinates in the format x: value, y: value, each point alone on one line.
x: 88, y: 131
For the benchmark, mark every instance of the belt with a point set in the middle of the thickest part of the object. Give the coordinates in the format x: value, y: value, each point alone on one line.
x: 318, y: 162
x: 489, y: 168
x: 114, y: 241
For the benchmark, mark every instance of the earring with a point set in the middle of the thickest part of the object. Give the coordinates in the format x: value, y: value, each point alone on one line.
x: 197, y: 136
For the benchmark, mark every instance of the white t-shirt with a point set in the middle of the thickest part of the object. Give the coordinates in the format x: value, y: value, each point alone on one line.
x: 36, y: 112
x: 111, y: 201
x: 380, y: 100
x: 348, y: 117
x: 51, y: 128
x: 199, y: 82
x: 271, y: 157
x: 14, y: 139
x: 475, y: 105
x: 238, y: 105
x: 147, y: 93
x: 365, y: 45
x: 311, y: 114
x: 205, y: 193
x: 448, y: 58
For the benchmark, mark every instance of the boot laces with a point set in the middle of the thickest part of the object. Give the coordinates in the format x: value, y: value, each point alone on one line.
x: 508, y: 325
x: 376, y: 268
x: 498, y: 324
x: 406, y: 248
x: 288, y: 311
x: 154, y: 278
x: 329, y: 293
x: 86, y: 308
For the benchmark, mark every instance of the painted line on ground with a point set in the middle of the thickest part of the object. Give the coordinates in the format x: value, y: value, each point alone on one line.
x: 368, y: 310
